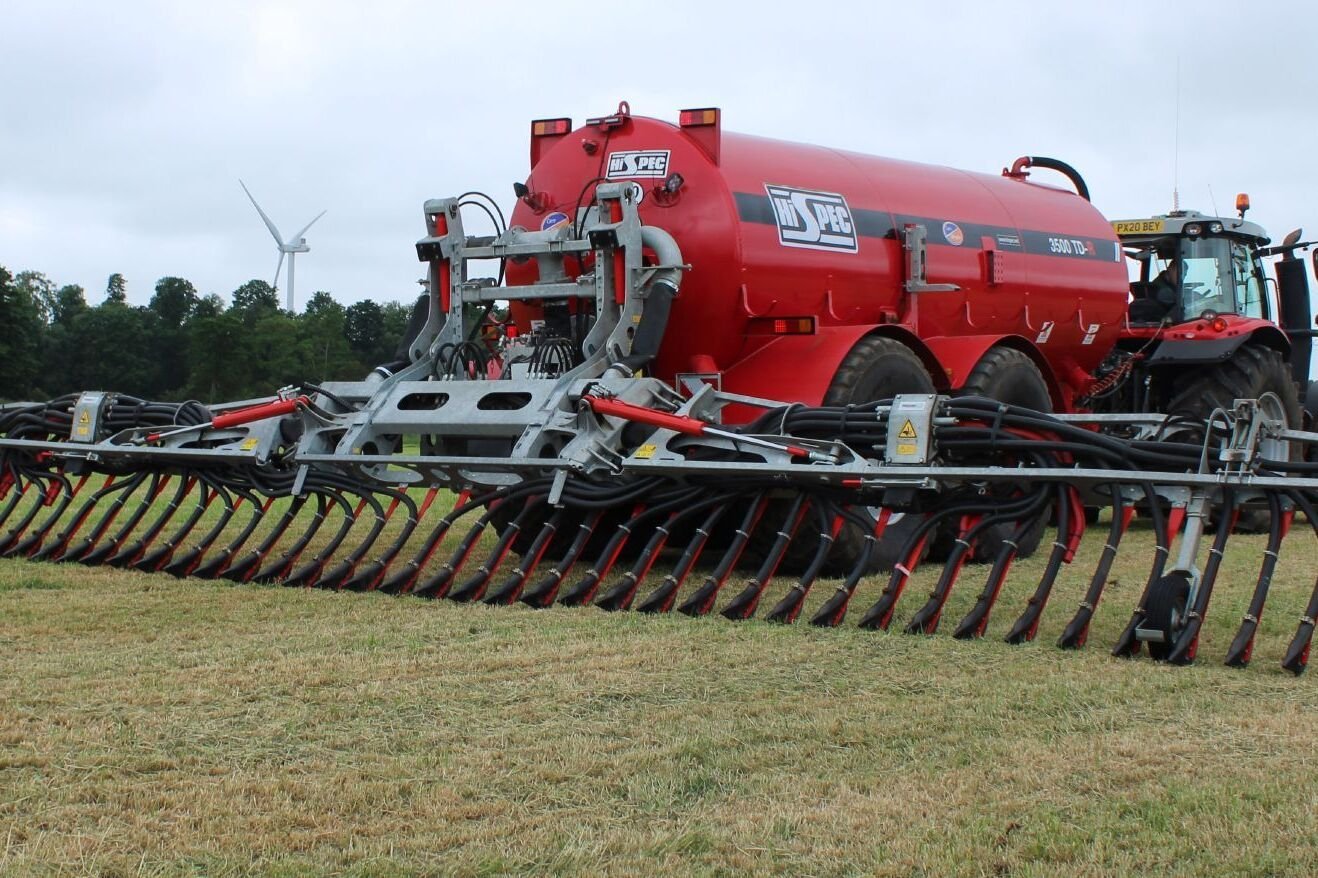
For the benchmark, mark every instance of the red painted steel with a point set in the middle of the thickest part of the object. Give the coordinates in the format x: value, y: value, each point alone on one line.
x: 1035, y: 263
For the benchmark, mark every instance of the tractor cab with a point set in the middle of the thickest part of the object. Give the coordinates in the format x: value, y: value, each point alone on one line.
x: 1203, y: 288
x: 1189, y: 266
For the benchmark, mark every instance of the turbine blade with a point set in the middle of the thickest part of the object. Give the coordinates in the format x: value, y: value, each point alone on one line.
x: 268, y: 224
x: 279, y: 266
x: 299, y: 235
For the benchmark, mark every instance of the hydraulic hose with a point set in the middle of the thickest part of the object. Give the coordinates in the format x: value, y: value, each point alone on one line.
x: 661, y: 292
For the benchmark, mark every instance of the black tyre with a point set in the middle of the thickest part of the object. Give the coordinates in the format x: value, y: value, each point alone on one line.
x: 875, y: 368
x: 1009, y: 376
x: 1253, y: 372
x: 1164, y: 611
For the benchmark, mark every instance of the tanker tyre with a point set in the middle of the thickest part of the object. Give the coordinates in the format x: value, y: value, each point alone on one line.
x: 1251, y: 372
x: 875, y: 368
x: 1011, y: 377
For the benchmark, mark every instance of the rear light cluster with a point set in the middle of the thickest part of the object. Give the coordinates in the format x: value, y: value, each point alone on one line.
x: 698, y: 118
x: 550, y: 127
x: 782, y: 326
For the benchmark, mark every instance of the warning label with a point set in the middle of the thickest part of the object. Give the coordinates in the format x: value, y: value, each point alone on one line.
x: 907, y: 431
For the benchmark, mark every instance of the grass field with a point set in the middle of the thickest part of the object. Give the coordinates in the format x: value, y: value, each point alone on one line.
x: 151, y: 726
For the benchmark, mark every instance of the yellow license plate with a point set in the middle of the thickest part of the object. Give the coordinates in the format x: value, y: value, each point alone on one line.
x: 1137, y: 227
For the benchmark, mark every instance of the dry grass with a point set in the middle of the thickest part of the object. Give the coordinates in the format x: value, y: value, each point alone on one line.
x: 152, y: 726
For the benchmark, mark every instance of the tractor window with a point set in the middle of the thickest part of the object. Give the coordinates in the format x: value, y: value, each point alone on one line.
x: 1208, y: 284
x: 1249, y: 292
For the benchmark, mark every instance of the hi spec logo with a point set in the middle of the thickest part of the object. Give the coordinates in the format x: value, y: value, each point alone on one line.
x: 814, y: 220
x: 638, y: 163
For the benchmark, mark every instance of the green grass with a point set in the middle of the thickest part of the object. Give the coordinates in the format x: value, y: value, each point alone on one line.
x: 150, y: 726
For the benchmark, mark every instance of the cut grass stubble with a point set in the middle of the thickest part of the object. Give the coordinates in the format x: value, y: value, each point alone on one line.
x: 154, y: 725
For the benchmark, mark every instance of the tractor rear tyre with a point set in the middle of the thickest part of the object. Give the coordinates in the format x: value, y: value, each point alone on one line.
x: 1011, y: 377
x: 1252, y: 372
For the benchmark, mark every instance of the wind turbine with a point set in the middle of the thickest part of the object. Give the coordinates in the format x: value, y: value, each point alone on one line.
x: 290, y: 248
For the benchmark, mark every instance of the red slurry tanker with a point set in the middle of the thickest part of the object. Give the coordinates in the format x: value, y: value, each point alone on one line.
x: 996, y: 283
x: 800, y: 253
x: 704, y: 357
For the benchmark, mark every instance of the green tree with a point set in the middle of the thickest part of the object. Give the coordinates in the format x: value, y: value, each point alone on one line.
x: 326, y: 352
x: 70, y: 301
x: 116, y: 289
x: 22, y: 328
x: 40, y: 290
x: 364, y: 329
x: 216, y: 370
x: 270, y: 354
x: 114, y: 350
x: 59, y: 354
x: 209, y: 306
x: 175, y: 300
x: 396, y: 317
x: 254, y: 300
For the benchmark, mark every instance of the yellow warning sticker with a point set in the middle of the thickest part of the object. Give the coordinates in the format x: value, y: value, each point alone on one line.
x: 907, y: 431
x: 905, y: 448
x: 85, y: 417
x: 248, y: 444
x: 645, y: 452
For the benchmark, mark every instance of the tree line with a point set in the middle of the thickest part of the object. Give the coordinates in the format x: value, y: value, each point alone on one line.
x: 182, y: 345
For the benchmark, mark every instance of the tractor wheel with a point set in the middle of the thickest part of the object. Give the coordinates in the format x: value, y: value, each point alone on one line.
x: 1009, y: 376
x: 1164, y: 611
x: 875, y: 368
x: 1253, y: 372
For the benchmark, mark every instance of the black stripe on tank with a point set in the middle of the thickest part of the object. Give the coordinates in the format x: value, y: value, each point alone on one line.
x: 757, y: 208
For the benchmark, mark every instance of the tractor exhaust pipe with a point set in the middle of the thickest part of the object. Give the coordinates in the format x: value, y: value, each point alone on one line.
x: 1297, y: 319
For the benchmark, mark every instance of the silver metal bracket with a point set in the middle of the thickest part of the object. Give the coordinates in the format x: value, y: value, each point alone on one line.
x: 914, y: 242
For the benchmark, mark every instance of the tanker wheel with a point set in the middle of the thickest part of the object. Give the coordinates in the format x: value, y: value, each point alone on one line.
x: 1009, y: 376
x: 875, y: 368
x: 1252, y: 372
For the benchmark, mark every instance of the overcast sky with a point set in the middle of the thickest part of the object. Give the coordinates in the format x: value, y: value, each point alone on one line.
x: 125, y: 126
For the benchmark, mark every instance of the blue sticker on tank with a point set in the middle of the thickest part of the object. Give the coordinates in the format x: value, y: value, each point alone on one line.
x: 557, y: 218
x: 953, y: 234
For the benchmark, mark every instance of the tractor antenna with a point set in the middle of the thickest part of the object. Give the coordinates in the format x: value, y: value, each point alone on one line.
x: 1176, y: 143
x: 1213, y: 198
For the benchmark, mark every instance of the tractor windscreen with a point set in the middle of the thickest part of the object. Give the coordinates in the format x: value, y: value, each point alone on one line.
x: 1210, y: 274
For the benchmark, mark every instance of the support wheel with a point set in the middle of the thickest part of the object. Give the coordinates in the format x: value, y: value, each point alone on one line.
x: 1164, y: 611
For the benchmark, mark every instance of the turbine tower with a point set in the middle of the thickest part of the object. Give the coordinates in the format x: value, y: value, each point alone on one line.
x: 286, y: 248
